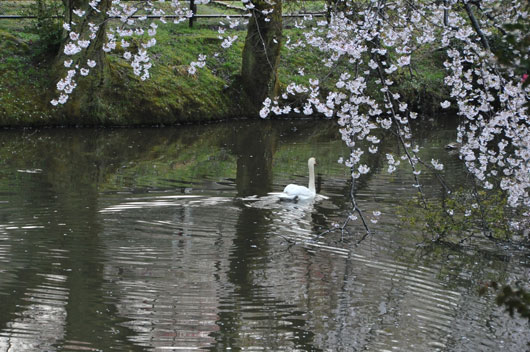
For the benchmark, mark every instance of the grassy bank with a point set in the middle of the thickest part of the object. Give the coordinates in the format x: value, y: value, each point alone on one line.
x: 171, y: 95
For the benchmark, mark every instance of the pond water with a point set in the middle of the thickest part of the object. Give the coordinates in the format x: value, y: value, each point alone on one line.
x: 162, y: 239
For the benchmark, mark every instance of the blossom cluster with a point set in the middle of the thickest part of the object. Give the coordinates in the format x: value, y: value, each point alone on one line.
x: 495, y: 126
x: 376, y: 41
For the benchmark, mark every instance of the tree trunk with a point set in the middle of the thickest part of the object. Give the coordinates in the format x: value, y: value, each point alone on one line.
x: 261, y: 55
x: 84, y: 100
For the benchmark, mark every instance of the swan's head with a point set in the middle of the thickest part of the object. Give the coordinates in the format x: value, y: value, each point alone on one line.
x: 311, y: 162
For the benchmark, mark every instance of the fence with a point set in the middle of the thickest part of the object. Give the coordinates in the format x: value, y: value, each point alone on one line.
x: 194, y: 17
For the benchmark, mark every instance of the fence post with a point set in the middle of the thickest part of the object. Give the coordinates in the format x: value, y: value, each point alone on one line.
x: 193, y: 9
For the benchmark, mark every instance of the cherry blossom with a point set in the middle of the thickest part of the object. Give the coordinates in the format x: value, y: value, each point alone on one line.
x: 379, y: 40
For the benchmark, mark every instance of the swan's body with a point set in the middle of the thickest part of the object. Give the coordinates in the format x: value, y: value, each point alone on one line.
x: 453, y: 146
x: 295, y: 193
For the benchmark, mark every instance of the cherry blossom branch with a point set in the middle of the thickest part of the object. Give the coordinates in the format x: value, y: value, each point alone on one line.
x: 476, y: 26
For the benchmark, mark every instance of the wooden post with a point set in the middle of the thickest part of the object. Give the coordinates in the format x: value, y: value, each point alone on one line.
x: 193, y: 9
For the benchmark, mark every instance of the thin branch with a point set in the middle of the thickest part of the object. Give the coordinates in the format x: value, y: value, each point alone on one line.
x: 262, y: 40
x: 357, y: 209
x: 446, y: 14
x: 399, y: 132
x: 476, y: 26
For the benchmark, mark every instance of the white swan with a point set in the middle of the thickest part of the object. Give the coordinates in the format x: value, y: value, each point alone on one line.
x: 295, y: 193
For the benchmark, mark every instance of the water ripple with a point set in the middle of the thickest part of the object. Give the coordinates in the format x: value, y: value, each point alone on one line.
x: 39, y: 324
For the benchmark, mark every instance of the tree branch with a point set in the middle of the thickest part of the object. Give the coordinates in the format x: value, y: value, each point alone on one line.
x: 476, y: 26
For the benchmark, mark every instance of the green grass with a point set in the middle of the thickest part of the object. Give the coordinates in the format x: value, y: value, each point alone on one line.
x: 22, y: 85
x: 172, y: 91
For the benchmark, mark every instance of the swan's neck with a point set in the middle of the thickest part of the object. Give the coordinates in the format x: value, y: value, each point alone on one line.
x: 312, y: 178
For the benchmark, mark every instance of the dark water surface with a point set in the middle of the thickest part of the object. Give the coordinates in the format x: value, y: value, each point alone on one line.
x: 166, y: 240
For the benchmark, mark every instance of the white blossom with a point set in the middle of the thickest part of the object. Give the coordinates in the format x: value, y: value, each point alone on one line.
x: 437, y: 166
x: 71, y: 49
x: 78, y: 12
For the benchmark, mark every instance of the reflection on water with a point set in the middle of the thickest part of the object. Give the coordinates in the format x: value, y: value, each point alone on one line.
x: 167, y: 239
